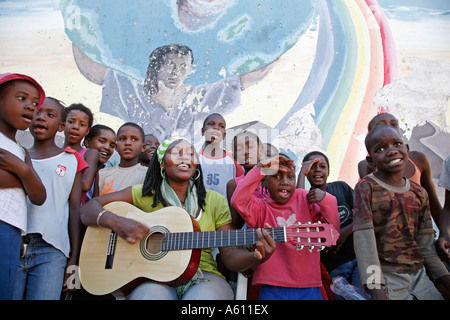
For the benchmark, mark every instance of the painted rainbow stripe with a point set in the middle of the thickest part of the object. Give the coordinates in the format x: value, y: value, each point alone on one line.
x: 355, y: 57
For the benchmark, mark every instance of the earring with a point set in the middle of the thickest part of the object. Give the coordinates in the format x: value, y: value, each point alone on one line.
x: 198, y: 175
x: 163, y: 173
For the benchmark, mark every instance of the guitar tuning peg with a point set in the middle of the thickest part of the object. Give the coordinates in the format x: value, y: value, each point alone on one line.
x: 310, y: 248
x: 320, y: 248
x: 300, y: 247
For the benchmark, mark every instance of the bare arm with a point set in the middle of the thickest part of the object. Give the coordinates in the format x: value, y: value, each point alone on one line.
x: 239, y: 259
x: 128, y: 229
x: 91, y: 158
x: 75, y: 226
x: 251, y: 78
x: 24, y: 171
x: 236, y: 219
x: 9, y: 180
x: 304, y: 170
x: 91, y: 70
x: 426, y: 181
x: 96, y: 187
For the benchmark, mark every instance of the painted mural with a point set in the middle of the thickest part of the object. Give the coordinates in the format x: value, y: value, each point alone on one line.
x: 304, y: 74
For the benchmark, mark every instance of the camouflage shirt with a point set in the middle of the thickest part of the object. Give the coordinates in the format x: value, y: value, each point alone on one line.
x: 398, y: 216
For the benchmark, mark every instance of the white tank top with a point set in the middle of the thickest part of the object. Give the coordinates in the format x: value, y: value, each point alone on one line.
x: 51, y: 219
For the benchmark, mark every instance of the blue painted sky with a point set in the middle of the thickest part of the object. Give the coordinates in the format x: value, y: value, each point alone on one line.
x: 211, y: 55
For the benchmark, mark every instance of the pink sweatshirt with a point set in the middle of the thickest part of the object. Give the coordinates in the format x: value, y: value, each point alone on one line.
x: 287, y: 267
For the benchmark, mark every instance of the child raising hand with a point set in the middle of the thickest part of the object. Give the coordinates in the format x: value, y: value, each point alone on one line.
x: 288, y: 274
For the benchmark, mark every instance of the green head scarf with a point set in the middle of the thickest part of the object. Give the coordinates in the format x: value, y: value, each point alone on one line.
x: 161, y: 151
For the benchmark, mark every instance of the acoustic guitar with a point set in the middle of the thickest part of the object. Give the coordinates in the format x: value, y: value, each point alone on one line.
x: 170, y: 252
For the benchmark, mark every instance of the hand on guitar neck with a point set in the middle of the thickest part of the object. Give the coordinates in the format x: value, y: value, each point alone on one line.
x: 265, y: 246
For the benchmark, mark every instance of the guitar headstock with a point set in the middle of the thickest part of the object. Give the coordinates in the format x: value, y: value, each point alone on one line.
x: 311, y: 235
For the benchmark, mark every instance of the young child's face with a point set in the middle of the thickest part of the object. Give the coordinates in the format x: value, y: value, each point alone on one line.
x: 214, y: 129
x: 104, y: 142
x: 18, y: 103
x: 129, y: 142
x: 281, y: 186
x: 151, y: 144
x: 47, y: 121
x: 387, y: 151
x: 246, y: 151
x: 76, y: 126
x: 319, y: 172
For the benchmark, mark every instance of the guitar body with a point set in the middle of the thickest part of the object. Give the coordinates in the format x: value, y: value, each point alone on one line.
x: 132, y: 263
x: 170, y: 252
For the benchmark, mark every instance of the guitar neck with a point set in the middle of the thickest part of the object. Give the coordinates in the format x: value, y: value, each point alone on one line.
x: 215, y: 239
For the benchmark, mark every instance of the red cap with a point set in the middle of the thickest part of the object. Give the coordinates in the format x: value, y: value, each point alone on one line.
x: 5, y: 77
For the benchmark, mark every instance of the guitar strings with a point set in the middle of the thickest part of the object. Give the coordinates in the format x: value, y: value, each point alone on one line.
x: 213, y: 239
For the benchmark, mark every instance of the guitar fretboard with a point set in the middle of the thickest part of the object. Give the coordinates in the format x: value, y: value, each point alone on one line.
x: 215, y: 239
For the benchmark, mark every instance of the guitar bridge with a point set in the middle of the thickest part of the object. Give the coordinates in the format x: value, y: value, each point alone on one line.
x: 110, y: 250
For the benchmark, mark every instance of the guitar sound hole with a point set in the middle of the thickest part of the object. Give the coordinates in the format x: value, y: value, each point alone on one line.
x: 154, y: 241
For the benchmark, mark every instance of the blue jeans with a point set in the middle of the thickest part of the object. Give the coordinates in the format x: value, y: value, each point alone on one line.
x: 216, y: 288
x: 349, y: 271
x: 269, y: 292
x: 10, y: 239
x: 41, y: 272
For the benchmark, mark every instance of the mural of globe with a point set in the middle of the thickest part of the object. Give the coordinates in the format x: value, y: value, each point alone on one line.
x: 227, y: 37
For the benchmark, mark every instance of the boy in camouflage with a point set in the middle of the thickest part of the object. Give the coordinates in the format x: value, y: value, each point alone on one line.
x: 393, y: 234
